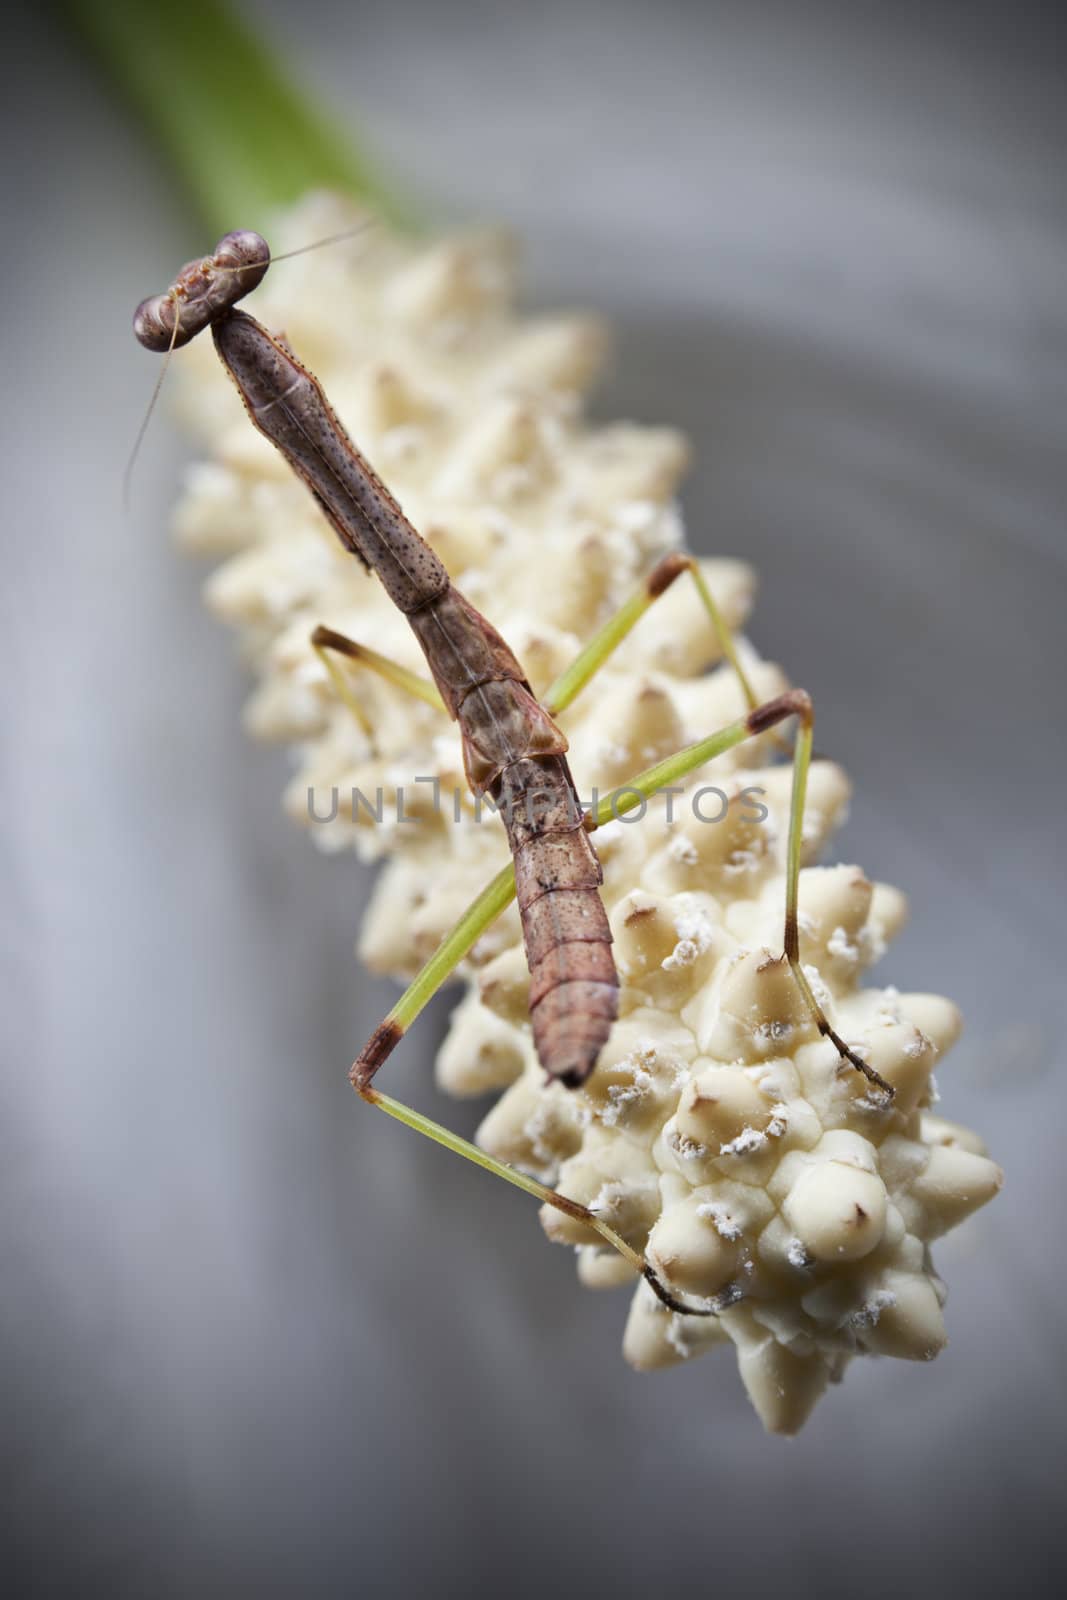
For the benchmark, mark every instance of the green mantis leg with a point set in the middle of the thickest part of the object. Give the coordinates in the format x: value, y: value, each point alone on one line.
x: 327, y: 644
x: 603, y: 644
x: 498, y: 895
x: 501, y: 891
x: 794, y: 703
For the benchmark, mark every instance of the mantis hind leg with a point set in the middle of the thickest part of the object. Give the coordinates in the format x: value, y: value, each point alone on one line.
x: 499, y: 893
x: 462, y: 937
x: 607, y: 640
x: 794, y: 703
x: 328, y: 645
x: 455, y: 945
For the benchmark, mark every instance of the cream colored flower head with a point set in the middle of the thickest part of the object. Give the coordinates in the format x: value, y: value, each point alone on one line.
x: 719, y: 1133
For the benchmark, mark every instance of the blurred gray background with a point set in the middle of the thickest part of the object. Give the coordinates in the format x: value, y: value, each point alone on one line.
x: 255, y: 1340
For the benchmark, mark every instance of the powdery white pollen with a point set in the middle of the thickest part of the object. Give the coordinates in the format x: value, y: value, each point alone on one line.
x: 716, y: 1212
x: 684, y: 954
x: 839, y: 944
x: 867, y: 1315
x: 747, y: 1141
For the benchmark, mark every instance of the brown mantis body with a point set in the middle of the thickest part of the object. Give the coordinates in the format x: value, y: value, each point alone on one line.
x: 513, y: 750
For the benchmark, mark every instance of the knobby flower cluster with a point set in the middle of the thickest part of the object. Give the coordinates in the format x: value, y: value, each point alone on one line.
x: 719, y: 1133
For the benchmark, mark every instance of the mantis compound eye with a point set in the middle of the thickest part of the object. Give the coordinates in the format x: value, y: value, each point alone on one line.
x: 245, y: 255
x: 153, y: 323
x: 203, y: 291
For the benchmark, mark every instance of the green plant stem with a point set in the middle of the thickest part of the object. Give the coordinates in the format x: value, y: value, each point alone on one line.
x: 242, y: 138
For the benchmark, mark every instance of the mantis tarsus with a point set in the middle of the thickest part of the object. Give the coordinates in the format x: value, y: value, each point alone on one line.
x: 514, y: 752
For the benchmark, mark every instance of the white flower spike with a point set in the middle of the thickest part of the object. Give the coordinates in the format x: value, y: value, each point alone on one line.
x: 719, y: 1134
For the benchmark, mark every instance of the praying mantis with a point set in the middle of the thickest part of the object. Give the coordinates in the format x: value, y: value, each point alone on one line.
x: 514, y: 751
